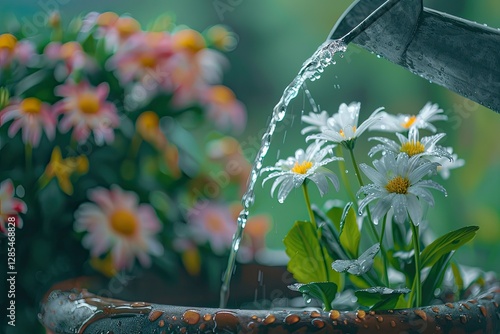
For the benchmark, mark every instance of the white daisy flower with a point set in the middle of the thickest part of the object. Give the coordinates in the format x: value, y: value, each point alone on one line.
x: 343, y: 128
x: 398, y: 185
x: 401, y: 122
x: 412, y: 145
x: 446, y: 164
x: 316, y: 121
x: 292, y: 172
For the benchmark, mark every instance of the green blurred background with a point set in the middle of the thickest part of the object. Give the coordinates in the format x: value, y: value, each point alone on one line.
x: 275, y: 37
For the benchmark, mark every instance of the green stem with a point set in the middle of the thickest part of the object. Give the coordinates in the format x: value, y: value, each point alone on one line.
x: 343, y: 174
x: 28, y: 151
x: 417, y: 284
x: 373, y: 230
x: 384, y: 255
x: 318, y: 230
x: 308, y: 203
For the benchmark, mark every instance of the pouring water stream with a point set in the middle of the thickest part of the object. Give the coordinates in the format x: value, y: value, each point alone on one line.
x: 311, y: 69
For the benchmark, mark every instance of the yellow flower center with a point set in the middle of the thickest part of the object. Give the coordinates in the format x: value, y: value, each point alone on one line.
x: 214, y: 223
x: 302, y: 168
x: 147, y: 121
x: 222, y: 94
x: 69, y: 49
x: 127, y: 26
x: 107, y: 19
x: 409, y: 122
x: 342, y: 133
x: 189, y: 40
x: 88, y: 103
x: 219, y: 36
x: 31, y: 106
x: 124, y: 222
x: 82, y: 164
x: 398, y: 185
x: 412, y: 148
x: 147, y: 61
x: 8, y: 41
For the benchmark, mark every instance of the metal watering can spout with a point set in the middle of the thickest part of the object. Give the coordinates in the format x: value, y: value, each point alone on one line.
x: 460, y: 55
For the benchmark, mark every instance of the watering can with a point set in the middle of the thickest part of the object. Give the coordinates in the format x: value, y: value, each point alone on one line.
x: 460, y: 55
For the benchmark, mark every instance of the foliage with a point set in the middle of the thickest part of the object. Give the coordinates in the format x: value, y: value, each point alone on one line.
x: 390, y: 225
x: 100, y: 125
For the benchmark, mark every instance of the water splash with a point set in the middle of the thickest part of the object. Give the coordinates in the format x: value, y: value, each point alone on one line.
x: 311, y: 69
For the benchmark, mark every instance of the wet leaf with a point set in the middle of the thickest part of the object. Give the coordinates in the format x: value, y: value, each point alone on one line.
x: 435, y: 278
x: 359, y: 266
x: 323, y: 291
x: 445, y: 244
x: 309, y: 261
x: 349, y: 231
x: 459, y: 281
x: 380, y: 298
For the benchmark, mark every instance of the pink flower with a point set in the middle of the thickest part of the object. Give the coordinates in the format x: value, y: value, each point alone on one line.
x: 11, y: 49
x: 71, y: 56
x: 213, y: 223
x: 32, y: 116
x: 115, y: 30
x: 119, y: 224
x: 10, y: 207
x: 224, y: 109
x: 143, y: 58
x: 85, y: 109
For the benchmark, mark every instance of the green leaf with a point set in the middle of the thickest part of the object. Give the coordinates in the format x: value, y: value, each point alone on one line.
x: 335, y: 215
x: 445, y: 244
x: 323, y: 291
x: 435, y: 278
x: 459, y: 281
x: 380, y: 298
x: 358, y: 266
x: 309, y: 261
x: 349, y: 231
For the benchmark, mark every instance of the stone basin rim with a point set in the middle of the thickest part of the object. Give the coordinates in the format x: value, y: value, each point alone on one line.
x: 80, y: 311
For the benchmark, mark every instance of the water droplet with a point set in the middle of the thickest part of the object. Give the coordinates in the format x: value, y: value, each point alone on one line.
x: 225, y: 320
x: 207, y: 317
x: 483, y: 310
x: 154, y: 315
x: 318, y: 323
x: 292, y: 319
x: 315, y: 314
x: 347, y: 171
x: 191, y: 317
x: 269, y: 319
x: 334, y: 314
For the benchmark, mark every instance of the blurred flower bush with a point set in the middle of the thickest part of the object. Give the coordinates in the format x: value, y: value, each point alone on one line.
x: 100, y: 129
